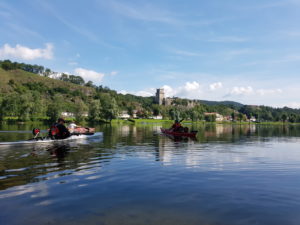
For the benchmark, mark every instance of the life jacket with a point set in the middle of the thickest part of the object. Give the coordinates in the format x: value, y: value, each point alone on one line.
x: 177, y: 125
x: 54, y: 131
x: 35, y: 131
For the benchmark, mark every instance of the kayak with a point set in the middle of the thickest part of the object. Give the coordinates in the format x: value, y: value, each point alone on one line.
x: 183, y: 134
x: 83, y: 130
x: 46, y: 140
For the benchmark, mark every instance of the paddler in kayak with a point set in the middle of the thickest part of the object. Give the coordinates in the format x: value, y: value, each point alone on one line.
x: 58, y: 130
x: 177, y: 127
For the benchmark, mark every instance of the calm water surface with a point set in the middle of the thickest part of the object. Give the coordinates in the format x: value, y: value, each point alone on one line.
x: 134, y: 175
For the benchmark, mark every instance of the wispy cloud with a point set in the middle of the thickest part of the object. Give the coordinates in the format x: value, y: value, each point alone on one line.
x: 230, y: 54
x: 143, y: 12
x: 23, y: 30
x: 148, y: 12
x: 284, y: 59
x: 184, y: 52
x: 267, y: 5
x: 227, y: 39
x: 80, y: 29
x: 72, y: 63
x: 14, y: 21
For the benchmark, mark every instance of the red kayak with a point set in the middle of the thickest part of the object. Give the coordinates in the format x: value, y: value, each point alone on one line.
x: 184, y: 134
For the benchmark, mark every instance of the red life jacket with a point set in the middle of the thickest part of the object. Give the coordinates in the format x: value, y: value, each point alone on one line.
x: 54, y: 131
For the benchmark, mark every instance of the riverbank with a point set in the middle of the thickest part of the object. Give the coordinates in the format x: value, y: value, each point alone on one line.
x: 139, y: 121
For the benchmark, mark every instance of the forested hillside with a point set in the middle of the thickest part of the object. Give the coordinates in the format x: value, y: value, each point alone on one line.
x: 27, y: 93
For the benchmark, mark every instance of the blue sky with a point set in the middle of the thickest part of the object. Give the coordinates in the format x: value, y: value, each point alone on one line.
x: 246, y: 51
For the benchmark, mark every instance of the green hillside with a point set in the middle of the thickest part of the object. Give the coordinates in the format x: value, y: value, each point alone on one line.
x: 21, y: 77
x: 236, y: 105
x: 27, y: 93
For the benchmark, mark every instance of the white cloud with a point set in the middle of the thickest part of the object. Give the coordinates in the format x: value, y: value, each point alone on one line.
x: 188, y: 90
x: 241, y: 90
x: 26, y: 53
x: 215, y: 86
x: 191, y: 90
x: 189, y: 87
x: 89, y: 75
x: 169, y: 92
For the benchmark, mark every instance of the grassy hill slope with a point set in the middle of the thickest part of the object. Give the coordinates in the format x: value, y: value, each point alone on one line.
x: 21, y: 77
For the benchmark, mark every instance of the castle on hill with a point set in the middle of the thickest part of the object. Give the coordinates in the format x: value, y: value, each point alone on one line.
x: 161, y: 99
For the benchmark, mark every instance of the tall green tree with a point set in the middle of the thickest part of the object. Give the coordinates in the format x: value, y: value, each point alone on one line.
x: 284, y: 117
x: 94, y: 111
x: 53, y: 112
x: 80, y: 110
x: 109, y: 109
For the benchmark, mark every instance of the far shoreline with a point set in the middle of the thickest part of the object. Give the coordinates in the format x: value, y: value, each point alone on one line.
x: 15, y: 120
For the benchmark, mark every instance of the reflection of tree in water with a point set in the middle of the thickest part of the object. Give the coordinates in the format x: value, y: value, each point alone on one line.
x: 128, y: 134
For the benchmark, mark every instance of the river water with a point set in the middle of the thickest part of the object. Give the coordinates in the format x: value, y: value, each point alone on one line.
x: 247, y: 174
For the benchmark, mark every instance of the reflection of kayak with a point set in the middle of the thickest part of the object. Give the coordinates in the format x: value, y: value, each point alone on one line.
x: 184, y: 134
x: 40, y: 140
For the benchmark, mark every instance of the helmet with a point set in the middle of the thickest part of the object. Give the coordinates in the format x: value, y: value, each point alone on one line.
x: 61, y: 120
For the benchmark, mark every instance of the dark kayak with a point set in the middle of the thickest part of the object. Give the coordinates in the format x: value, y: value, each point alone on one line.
x: 183, y: 134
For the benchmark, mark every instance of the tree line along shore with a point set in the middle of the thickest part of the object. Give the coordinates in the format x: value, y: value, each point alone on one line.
x: 35, y: 93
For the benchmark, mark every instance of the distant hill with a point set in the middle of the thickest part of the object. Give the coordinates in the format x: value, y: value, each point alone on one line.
x: 226, y: 103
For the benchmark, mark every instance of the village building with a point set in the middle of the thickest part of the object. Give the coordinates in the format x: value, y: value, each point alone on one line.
x: 158, y: 117
x: 218, y: 116
x: 124, y: 115
x: 67, y: 114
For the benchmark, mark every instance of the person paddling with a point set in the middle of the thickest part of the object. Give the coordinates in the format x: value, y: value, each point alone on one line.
x: 176, y: 126
x: 58, y: 130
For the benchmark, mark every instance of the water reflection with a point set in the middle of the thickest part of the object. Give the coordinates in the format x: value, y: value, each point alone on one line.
x: 230, y: 174
x: 16, y: 163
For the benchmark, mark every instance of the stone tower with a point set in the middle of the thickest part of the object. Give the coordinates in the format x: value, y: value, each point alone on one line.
x: 160, y: 96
